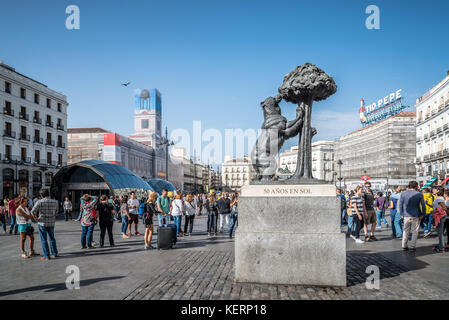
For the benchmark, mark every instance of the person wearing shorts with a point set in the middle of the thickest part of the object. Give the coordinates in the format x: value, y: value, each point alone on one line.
x: 133, y: 207
x: 24, y: 227
x: 370, y: 217
x: 150, y: 211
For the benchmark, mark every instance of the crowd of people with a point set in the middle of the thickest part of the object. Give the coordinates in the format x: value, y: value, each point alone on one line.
x: 410, y: 208
x: 167, y: 208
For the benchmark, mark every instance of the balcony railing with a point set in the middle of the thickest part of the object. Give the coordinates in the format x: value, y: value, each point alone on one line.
x: 38, y: 140
x: 24, y: 116
x: 49, y: 124
x: 433, y: 112
x: 49, y: 142
x: 432, y: 133
x: 446, y: 103
x: 24, y: 137
x: 37, y: 120
x: 9, y: 134
x: 426, y: 157
x: 25, y: 159
x: 441, y: 107
x: 60, y: 127
x: 439, y: 129
x: 61, y: 145
x: 426, y: 136
x: 8, y: 112
x: 418, y: 139
x: 446, y: 126
x: 9, y: 157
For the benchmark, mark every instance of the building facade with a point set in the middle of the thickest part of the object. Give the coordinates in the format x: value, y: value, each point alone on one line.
x: 100, y: 144
x: 236, y: 173
x: 195, y: 174
x: 33, y: 142
x: 432, y: 133
x: 322, y: 161
x: 383, y: 151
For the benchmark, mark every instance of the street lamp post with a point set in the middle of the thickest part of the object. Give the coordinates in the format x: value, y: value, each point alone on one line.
x: 340, y: 163
x: 167, y: 143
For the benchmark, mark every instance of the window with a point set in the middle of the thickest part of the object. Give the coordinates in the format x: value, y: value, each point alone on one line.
x: 37, y: 135
x: 144, y: 124
x: 7, y: 87
x: 23, y: 132
x: 49, y: 158
x: 59, y: 107
x: 36, y: 98
x: 60, y: 159
x: 23, y: 93
x: 60, y: 141
x: 7, y: 107
x: 48, y: 103
x: 23, y: 154
x: 37, y: 156
x: 8, y: 151
x: 8, y: 128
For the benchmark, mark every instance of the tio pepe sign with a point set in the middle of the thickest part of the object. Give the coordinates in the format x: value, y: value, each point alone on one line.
x: 383, y: 108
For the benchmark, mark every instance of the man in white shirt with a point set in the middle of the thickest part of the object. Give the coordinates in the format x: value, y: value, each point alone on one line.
x: 133, y: 206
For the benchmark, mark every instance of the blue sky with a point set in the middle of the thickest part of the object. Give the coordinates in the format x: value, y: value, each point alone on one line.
x: 215, y: 61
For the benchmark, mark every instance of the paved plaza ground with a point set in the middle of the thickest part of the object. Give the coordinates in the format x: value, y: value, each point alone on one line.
x: 203, y: 268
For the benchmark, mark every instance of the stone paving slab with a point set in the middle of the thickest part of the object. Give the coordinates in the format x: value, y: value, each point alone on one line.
x: 196, y: 281
x: 202, y: 268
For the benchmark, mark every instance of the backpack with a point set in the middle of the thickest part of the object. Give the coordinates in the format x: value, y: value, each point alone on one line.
x: 141, y: 209
x: 146, y: 215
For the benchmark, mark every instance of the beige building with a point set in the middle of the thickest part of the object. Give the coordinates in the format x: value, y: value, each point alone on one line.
x: 432, y: 133
x: 322, y: 161
x: 383, y: 151
x: 236, y: 173
x: 34, y: 138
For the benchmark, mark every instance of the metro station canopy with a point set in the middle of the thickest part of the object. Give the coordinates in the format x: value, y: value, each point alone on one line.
x: 119, y: 179
x: 159, y: 184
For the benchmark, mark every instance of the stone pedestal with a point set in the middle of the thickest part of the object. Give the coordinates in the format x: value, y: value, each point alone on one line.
x: 290, y: 234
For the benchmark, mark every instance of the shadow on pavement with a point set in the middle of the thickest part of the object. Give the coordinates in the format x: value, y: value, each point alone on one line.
x: 57, y: 286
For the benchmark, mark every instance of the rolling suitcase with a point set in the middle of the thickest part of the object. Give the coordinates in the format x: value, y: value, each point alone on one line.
x: 164, y: 238
x: 173, y: 226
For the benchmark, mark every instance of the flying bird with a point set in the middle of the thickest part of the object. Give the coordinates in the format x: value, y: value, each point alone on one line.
x: 126, y: 84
